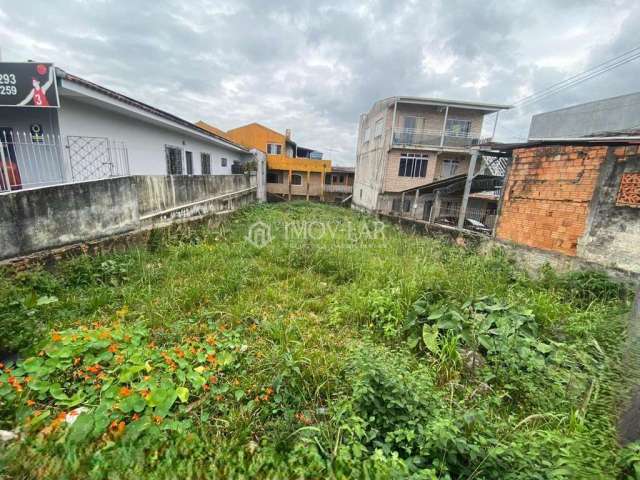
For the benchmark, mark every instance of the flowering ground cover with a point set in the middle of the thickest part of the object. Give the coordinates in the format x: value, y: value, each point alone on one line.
x: 333, y: 347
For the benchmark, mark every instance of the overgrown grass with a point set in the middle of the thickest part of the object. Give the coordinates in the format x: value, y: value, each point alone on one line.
x: 345, y: 355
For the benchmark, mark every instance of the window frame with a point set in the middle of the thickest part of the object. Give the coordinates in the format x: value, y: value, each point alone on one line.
x: 413, y: 165
x: 188, y: 158
x: 298, y: 175
x: 449, y: 161
x: 171, y: 162
x: 205, y: 160
x: 223, y: 161
x: 449, y: 130
x: 278, y: 148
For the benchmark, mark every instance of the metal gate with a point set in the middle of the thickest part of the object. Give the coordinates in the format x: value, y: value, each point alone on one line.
x: 93, y: 158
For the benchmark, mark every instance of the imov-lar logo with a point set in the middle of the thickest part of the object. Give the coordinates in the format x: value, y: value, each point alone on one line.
x: 259, y: 234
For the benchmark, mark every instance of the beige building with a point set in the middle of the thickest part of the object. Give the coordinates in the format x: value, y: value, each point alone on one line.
x: 408, y: 142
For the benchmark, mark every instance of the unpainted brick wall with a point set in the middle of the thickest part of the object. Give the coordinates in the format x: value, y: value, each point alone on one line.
x: 547, y: 196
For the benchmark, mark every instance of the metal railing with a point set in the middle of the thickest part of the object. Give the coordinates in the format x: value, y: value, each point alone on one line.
x: 481, y: 220
x: 29, y: 160
x: 425, y: 137
x: 337, y: 188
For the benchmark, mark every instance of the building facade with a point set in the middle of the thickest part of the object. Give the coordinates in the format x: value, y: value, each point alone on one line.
x: 408, y: 142
x: 96, y: 133
x: 293, y: 171
x: 616, y: 114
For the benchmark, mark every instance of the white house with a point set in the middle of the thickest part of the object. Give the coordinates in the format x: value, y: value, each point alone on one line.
x: 90, y: 132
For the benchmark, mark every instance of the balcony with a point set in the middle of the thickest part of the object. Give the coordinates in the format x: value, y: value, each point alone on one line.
x: 413, y: 137
x: 337, y: 188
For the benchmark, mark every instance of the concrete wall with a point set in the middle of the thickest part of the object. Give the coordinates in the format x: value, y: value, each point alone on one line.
x: 145, y: 141
x: 617, y: 113
x: 50, y: 217
x: 613, y: 232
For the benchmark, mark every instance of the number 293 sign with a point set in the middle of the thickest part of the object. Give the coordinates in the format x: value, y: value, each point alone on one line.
x: 28, y: 85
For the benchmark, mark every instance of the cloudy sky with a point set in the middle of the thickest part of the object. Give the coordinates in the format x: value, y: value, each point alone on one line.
x: 314, y: 66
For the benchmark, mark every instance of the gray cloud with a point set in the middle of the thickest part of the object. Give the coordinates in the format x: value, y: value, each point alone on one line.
x: 314, y: 66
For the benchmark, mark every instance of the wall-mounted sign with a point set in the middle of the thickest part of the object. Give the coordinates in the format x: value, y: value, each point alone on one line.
x: 28, y: 85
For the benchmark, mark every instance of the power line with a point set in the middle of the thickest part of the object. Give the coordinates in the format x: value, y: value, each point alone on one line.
x: 588, y: 74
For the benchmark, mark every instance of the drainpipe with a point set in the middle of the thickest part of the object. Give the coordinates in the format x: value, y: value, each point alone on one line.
x: 444, y: 126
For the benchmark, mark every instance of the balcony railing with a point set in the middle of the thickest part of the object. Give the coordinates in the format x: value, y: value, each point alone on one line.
x: 433, y: 138
x: 338, y: 188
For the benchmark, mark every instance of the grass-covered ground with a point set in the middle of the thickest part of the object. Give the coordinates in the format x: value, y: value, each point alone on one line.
x: 353, y: 354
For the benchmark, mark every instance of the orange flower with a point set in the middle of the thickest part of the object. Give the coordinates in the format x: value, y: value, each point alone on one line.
x: 113, y: 348
x: 125, y: 392
x: 265, y: 397
x: 27, y: 379
x: 179, y: 352
x: 61, y: 416
x: 31, y: 403
x: 157, y: 419
x: 269, y: 391
x: 135, y: 417
x: 145, y: 393
x: 56, y: 337
x: 206, y: 387
x: 213, y: 379
x: 95, y: 369
x: 219, y: 398
x: 211, y: 358
x: 1, y: 365
x: 76, y: 361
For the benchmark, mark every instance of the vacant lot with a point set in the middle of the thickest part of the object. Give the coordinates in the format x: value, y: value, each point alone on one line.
x: 336, y: 350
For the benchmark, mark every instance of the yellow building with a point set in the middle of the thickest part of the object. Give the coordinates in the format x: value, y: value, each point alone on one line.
x: 292, y: 170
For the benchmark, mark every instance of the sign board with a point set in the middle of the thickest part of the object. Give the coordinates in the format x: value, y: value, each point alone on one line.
x: 28, y: 84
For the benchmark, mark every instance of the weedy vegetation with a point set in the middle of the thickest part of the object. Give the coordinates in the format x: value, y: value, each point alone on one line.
x: 338, y: 356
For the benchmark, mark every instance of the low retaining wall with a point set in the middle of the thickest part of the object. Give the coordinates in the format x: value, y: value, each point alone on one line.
x: 529, y: 258
x: 52, y: 217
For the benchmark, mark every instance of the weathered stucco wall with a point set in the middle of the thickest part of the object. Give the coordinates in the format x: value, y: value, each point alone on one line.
x: 51, y: 217
x: 613, y: 232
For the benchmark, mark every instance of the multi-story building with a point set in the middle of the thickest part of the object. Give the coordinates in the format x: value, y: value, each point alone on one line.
x: 293, y: 171
x: 409, y: 142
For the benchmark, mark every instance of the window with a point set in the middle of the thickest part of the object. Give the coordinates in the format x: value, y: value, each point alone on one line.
x: 188, y: 156
x: 377, y: 132
x: 174, y: 159
x: 205, y: 163
x: 458, y: 128
x: 223, y: 162
x: 296, y: 179
x: 367, y: 135
x: 413, y: 165
x: 360, y: 193
x: 273, y: 177
x: 274, y: 148
x: 449, y: 167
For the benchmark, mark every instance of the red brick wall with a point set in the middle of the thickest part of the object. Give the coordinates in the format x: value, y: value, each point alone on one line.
x: 547, y: 196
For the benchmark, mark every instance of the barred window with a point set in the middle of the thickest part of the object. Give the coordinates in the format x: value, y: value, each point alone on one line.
x: 205, y: 163
x: 188, y: 156
x: 174, y: 159
x: 413, y: 165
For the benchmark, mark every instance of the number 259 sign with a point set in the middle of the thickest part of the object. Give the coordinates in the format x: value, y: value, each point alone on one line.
x: 28, y: 85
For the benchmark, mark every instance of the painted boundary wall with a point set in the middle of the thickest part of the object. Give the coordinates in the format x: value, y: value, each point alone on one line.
x: 52, y: 217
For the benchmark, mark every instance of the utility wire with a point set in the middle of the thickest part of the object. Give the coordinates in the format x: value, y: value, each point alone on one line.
x: 588, y: 74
